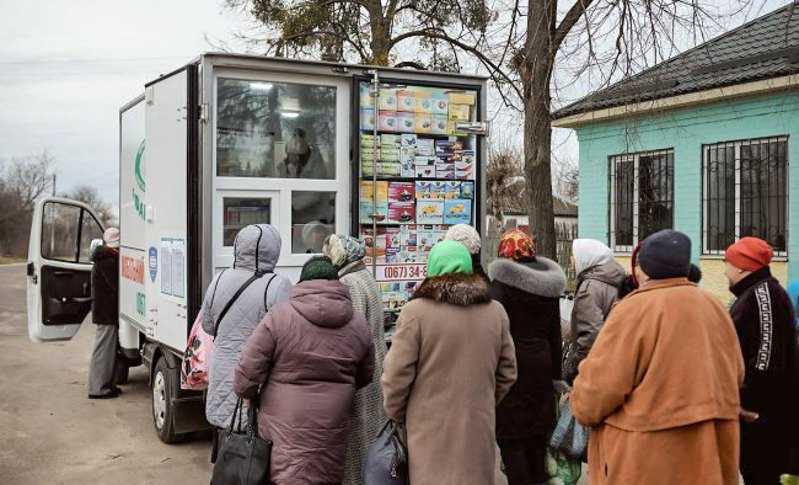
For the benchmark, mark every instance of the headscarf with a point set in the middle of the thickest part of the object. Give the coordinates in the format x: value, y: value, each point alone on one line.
x: 517, y: 245
x: 449, y: 257
x: 589, y: 253
x: 466, y: 235
x: 111, y: 237
x: 343, y: 250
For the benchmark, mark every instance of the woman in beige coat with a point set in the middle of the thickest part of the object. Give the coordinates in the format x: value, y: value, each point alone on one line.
x: 451, y: 361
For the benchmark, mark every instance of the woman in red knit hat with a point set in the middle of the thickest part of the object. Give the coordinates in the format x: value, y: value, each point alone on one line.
x: 764, y: 320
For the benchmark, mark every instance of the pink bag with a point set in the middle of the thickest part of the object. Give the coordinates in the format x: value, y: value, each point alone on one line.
x: 196, y: 358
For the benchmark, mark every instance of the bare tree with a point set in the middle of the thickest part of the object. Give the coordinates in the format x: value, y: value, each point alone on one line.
x: 22, y: 182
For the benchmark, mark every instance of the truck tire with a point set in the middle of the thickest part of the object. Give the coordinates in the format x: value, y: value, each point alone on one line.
x: 164, y: 391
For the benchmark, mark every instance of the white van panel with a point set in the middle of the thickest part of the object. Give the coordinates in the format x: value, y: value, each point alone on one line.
x: 165, y: 214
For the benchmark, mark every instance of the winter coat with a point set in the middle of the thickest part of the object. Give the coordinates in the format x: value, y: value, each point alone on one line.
x: 597, y: 292
x: 367, y: 415
x: 660, y: 386
x: 764, y: 320
x: 451, y: 361
x: 105, y: 286
x: 530, y: 294
x: 307, y: 356
x: 256, y: 250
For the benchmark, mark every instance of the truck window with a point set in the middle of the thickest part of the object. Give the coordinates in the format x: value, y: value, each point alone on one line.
x: 90, y: 229
x: 275, y: 130
x: 240, y: 212
x: 313, y: 218
x: 60, y: 227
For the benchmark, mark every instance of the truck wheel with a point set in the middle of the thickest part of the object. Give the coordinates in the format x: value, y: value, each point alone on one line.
x: 121, y: 371
x: 163, y: 409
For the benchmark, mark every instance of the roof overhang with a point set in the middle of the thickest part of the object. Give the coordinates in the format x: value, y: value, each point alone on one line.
x: 683, y: 100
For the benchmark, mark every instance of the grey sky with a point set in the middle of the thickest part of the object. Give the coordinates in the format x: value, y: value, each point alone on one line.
x: 67, y: 65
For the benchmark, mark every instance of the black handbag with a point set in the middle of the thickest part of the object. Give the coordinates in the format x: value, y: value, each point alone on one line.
x: 386, y: 459
x: 244, y: 458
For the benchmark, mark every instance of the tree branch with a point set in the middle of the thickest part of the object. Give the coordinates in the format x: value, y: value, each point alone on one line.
x: 569, y: 21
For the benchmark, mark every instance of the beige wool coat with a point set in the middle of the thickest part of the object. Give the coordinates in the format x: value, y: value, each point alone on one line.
x: 451, y: 361
x: 660, y: 387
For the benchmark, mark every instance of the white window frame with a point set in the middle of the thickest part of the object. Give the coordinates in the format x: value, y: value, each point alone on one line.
x: 635, y: 158
x: 737, y: 144
x: 280, y: 189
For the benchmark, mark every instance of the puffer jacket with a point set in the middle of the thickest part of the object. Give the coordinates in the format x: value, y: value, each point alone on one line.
x: 308, y: 357
x: 597, y: 291
x: 367, y: 414
x: 530, y: 294
x: 256, y: 249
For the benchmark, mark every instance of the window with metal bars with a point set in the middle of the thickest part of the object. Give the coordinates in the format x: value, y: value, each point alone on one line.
x: 745, y: 193
x: 641, y: 196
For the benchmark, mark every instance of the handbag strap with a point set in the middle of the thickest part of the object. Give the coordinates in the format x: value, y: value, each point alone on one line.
x: 233, y: 299
x: 236, y: 412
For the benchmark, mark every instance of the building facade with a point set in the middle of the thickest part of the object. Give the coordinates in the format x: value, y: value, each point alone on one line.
x: 702, y: 144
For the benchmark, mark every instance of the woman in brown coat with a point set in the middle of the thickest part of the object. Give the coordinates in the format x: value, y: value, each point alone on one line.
x: 306, y: 359
x: 660, y: 385
x: 451, y: 361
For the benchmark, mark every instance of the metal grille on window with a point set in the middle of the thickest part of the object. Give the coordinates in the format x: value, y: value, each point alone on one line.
x: 642, y: 202
x: 745, y: 193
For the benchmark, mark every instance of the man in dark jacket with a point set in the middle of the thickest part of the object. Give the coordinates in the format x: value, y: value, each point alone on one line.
x: 105, y: 314
x: 764, y: 320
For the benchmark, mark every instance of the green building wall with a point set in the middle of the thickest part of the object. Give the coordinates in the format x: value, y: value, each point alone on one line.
x: 685, y: 130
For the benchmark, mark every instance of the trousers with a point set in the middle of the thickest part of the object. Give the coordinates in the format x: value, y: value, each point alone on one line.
x: 104, y: 354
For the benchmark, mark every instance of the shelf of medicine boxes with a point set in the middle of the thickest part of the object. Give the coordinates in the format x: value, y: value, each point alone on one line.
x: 418, y: 135
x: 390, y: 178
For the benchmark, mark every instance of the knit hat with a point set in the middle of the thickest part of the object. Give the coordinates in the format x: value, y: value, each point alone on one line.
x: 749, y: 254
x: 516, y: 244
x: 466, y: 235
x: 448, y: 257
x: 665, y: 254
x: 111, y: 237
x: 318, y: 268
x: 343, y: 250
x: 589, y: 253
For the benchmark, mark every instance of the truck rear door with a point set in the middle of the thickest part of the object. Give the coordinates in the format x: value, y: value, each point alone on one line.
x: 59, y: 268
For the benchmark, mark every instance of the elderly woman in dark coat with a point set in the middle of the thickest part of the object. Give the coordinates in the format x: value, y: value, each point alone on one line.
x: 528, y: 287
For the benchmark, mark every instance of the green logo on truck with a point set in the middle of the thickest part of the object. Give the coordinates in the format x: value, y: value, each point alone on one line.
x: 138, y: 170
x: 138, y: 174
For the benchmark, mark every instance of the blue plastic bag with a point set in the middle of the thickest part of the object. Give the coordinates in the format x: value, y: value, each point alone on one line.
x: 570, y: 438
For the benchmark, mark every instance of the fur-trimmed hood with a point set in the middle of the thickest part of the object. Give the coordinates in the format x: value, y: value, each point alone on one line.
x: 455, y: 289
x: 543, y: 277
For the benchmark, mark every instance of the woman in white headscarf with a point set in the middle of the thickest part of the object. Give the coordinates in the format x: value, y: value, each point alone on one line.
x: 599, y: 278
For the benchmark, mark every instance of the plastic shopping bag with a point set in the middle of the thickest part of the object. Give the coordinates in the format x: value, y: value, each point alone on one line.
x: 196, y: 358
x: 570, y: 438
x: 562, y: 470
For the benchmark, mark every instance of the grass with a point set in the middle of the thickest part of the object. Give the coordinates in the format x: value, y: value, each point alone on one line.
x: 11, y: 259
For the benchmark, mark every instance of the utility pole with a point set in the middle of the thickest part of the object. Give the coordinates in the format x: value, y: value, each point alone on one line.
x: 53, y: 185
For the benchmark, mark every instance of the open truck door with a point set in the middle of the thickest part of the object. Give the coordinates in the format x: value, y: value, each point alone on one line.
x: 59, y: 268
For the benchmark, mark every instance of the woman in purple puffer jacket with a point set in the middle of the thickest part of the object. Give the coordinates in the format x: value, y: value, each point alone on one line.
x: 306, y: 359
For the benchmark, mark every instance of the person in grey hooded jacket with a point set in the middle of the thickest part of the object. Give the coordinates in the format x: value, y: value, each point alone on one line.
x: 599, y: 278
x: 255, y: 252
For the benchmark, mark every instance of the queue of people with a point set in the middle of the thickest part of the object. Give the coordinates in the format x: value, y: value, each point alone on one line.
x: 674, y: 387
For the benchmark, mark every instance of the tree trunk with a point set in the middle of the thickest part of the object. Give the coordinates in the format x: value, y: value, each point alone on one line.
x: 535, y: 72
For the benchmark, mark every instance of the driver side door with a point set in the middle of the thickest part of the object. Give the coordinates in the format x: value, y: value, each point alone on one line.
x: 59, y: 268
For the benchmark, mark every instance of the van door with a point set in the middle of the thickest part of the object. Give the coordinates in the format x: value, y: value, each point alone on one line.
x: 59, y: 268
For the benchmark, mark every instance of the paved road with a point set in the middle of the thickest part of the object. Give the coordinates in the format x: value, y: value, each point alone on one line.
x: 51, y: 434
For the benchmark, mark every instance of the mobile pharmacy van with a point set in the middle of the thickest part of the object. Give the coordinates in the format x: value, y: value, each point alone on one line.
x: 390, y: 155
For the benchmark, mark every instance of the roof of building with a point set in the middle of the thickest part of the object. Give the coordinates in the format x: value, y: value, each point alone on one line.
x: 764, y: 48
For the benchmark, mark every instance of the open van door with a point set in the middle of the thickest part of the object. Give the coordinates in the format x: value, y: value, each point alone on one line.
x: 59, y: 268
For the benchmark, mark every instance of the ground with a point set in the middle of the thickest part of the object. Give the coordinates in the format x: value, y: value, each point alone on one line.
x: 51, y: 433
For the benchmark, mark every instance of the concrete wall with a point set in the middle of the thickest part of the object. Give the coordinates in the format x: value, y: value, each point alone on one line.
x: 685, y: 131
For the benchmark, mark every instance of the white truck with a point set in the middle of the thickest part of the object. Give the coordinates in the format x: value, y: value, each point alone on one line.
x: 391, y: 155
